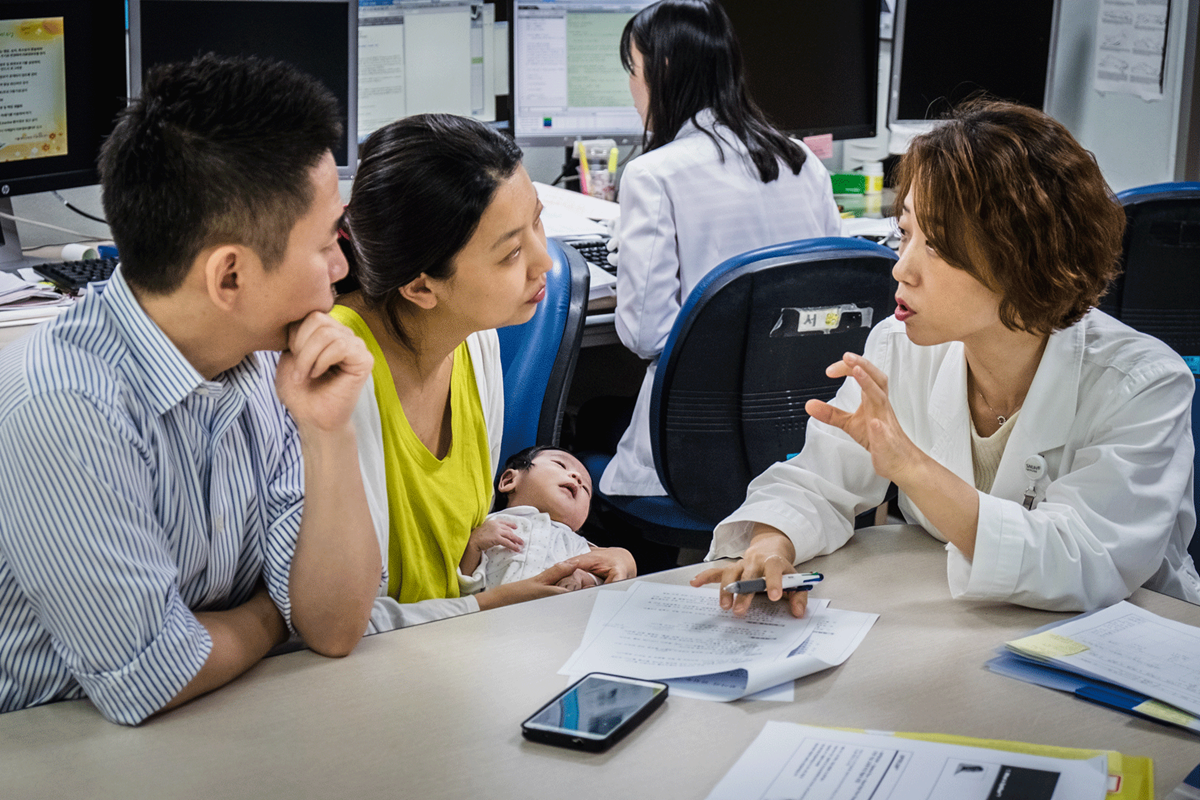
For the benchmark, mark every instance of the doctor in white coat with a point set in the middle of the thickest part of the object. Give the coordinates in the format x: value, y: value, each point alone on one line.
x: 715, y: 181
x: 1047, y: 444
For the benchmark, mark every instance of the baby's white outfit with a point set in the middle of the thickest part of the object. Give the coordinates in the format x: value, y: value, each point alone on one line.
x: 546, y: 543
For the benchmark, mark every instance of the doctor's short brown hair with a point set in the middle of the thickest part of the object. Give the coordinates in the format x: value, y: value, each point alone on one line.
x: 1005, y: 193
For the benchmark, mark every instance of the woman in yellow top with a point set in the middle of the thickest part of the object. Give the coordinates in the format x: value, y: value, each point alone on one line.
x: 444, y: 238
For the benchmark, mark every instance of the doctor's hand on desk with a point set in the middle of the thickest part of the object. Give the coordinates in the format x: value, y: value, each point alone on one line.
x: 769, y: 556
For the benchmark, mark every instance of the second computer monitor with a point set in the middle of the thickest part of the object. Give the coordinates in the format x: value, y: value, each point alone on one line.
x: 318, y: 36
x: 811, y: 66
x: 419, y: 56
x: 568, y: 82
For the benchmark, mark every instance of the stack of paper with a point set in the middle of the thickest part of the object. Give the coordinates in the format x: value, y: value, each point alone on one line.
x: 680, y: 635
x: 789, y: 760
x: 1123, y: 657
x: 16, y: 292
x: 24, y: 302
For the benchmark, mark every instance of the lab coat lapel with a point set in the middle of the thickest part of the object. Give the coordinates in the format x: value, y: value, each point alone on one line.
x: 949, y: 417
x: 1047, y: 413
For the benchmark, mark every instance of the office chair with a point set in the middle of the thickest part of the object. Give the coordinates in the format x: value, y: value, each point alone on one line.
x: 749, y: 347
x: 538, y: 357
x: 1159, y: 291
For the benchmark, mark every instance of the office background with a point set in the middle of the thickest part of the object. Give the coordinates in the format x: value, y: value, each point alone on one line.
x: 1136, y: 142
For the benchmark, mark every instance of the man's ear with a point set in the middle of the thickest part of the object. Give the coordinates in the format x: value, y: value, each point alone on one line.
x: 507, y: 482
x: 225, y: 273
x: 419, y: 292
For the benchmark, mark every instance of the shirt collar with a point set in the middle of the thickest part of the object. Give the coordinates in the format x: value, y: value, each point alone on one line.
x: 705, y: 118
x: 161, y: 373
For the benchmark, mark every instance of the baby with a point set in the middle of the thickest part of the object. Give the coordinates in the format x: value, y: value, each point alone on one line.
x: 543, y: 498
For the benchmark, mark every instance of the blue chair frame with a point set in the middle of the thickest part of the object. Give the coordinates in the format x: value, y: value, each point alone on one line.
x: 756, y: 416
x: 1159, y: 291
x: 539, y: 356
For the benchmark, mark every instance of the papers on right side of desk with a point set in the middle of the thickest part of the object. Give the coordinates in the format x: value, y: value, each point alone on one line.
x: 680, y: 635
x: 1123, y: 657
x: 790, y: 760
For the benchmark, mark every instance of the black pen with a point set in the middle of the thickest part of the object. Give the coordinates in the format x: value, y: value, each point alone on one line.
x: 792, y: 582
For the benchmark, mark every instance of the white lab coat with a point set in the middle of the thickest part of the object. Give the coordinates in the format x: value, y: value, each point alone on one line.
x: 683, y: 212
x: 1109, y: 410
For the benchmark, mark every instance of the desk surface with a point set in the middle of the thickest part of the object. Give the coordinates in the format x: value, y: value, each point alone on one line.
x: 435, y: 711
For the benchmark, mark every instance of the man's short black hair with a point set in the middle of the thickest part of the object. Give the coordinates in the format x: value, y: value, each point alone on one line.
x: 519, y: 461
x: 215, y: 151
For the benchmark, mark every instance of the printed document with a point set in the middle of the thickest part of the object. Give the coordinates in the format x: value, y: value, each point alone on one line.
x: 1128, y: 646
x: 799, y: 761
x: 681, y: 635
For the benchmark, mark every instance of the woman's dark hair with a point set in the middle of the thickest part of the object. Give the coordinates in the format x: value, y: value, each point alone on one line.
x: 423, y: 183
x: 1006, y: 194
x: 691, y: 62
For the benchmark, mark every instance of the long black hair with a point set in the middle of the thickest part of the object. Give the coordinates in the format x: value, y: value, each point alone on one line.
x: 422, y: 185
x: 692, y: 61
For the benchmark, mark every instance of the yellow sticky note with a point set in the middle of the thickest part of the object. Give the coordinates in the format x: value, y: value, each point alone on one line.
x: 1048, y: 645
x: 1153, y: 708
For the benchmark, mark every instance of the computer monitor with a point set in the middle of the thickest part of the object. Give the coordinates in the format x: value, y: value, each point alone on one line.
x: 946, y: 50
x: 62, y: 84
x: 422, y: 56
x: 318, y: 36
x: 813, y: 66
x: 567, y: 79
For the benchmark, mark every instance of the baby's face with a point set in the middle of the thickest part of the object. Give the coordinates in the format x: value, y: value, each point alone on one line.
x: 557, y: 484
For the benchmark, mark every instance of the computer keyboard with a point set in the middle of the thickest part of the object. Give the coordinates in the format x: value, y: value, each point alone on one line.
x: 71, y: 276
x: 594, y: 251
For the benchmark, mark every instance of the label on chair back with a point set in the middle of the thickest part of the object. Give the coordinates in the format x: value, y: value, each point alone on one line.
x: 820, y: 319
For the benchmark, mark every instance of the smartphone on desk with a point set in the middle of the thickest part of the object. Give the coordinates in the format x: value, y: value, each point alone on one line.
x: 594, y: 712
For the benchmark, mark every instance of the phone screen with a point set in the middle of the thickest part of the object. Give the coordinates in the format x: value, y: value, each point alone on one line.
x: 596, y: 706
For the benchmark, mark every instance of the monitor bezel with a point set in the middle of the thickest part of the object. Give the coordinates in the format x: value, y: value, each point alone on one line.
x: 345, y: 171
x: 909, y: 126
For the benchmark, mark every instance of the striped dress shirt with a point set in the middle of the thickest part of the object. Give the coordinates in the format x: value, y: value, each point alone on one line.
x: 132, y: 493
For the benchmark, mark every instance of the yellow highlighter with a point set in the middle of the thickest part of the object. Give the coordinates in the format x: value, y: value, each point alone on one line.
x: 612, y: 161
x: 583, y: 167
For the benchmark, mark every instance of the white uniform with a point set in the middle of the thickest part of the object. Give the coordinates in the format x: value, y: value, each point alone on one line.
x: 546, y: 543
x: 1109, y: 411
x: 683, y: 212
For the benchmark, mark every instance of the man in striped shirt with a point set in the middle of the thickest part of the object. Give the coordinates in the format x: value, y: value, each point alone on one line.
x: 164, y: 519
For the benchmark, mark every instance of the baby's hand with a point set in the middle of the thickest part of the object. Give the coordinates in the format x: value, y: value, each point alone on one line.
x: 492, y: 533
x: 579, y: 580
x: 496, y: 532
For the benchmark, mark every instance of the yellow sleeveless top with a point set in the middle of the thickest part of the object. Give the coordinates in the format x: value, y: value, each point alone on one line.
x: 432, y: 504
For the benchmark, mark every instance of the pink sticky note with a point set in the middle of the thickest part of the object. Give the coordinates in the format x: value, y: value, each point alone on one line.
x: 822, y: 145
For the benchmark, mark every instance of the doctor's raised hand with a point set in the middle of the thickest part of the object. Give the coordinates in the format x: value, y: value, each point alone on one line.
x: 996, y: 354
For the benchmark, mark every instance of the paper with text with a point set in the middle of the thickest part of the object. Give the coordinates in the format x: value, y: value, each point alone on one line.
x: 680, y: 634
x: 800, y: 761
x: 1128, y: 646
